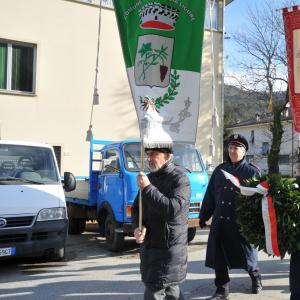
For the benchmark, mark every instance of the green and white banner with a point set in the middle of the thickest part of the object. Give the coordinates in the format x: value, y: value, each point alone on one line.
x: 162, y: 48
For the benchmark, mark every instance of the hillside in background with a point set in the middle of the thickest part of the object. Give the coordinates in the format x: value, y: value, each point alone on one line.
x: 240, y: 105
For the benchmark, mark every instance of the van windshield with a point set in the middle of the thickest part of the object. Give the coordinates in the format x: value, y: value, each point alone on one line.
x: 27, y: 165
x: 185, y: 155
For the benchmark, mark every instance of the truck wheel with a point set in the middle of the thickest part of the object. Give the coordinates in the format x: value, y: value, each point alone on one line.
x: 191, y: 234
x: 114, y: 239
x: 76, y: 226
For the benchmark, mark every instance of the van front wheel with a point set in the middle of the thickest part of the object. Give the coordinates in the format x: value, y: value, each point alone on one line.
x: 114, y: 238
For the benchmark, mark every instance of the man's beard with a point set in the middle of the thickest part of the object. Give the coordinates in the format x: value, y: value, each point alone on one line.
x: 157, y: 168
x: 154, y: 168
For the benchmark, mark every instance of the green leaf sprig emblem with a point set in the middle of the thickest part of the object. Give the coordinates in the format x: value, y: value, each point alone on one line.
x: 151, y: 57
x: 167, y: 97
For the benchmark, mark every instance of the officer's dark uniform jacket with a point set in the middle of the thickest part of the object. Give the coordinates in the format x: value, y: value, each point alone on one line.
x: 165, y: 204
x: 226, y: 247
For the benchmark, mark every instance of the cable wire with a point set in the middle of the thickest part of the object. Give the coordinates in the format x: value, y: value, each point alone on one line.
x: 95, y: 94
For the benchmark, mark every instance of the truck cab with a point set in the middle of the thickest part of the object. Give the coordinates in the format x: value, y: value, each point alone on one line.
x: 33, y: 219
x: 111, y: 188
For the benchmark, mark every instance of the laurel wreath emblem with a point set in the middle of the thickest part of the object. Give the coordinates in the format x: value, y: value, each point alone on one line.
x: 167, y: 97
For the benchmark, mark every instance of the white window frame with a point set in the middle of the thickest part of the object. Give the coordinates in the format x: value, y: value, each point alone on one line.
x: 107, y: 3
x: 104, y: 3
x: 265, y: 151
x: 10, y: 45
x: 284, y: 159
x: 215, y: 15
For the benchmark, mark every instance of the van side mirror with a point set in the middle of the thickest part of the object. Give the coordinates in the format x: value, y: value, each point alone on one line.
x: 69, y: 182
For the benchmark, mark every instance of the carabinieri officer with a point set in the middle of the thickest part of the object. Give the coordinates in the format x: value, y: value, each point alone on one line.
x: 226, y: 248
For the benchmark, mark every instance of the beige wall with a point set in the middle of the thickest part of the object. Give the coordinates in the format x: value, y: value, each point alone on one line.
x: 65, y: 33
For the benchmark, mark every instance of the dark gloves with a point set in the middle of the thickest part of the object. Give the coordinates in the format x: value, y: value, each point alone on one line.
x: 202, y: 223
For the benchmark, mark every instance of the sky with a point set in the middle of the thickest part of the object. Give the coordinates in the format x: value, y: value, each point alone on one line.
x: 236, y: 19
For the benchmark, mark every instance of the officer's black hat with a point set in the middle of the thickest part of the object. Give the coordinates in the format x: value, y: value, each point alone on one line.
x: 238, y: 140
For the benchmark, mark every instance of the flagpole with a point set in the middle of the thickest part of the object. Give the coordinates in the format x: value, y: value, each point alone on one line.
x: 140, y: 192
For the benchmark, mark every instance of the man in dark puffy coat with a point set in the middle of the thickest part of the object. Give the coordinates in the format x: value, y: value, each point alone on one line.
x: 295, y: 276
x: 163, y: 236
x: 295, y: 267
x: 226, y: 248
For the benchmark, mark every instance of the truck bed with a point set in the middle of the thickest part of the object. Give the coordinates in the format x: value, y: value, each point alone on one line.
x: 81, y: 191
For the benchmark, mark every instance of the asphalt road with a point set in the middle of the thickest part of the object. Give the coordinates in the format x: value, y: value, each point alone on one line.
x: 90, y: 271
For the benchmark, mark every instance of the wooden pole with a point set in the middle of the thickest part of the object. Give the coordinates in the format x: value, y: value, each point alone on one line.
x: 140, y: 192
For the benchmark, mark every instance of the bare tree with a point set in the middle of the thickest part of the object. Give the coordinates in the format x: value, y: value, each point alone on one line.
x: 264, y: 67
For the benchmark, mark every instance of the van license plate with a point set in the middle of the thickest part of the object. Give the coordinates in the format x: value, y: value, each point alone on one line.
x: 8, y: 251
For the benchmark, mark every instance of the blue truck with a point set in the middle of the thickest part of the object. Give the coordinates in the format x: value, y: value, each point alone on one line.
x: 108, y: 193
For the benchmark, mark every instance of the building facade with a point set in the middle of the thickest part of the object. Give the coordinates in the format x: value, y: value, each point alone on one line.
x: 48, y: 55
x: 259, y: 136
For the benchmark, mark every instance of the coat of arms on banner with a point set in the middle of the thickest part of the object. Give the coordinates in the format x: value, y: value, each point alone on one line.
x: 158, y: 16
x: 153, y: 60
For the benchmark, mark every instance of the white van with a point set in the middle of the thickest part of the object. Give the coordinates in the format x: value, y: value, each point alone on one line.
x: 33, y: 218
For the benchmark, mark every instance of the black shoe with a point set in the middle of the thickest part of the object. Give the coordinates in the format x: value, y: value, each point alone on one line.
x: 217, y: 296
x: 256, y: 284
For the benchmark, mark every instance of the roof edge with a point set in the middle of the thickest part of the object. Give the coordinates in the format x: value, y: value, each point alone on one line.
x: 228, y: 2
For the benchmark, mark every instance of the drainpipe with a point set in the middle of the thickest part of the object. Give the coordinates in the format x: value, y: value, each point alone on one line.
x: 222, y: 87
x: 213, y: 104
